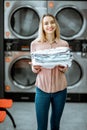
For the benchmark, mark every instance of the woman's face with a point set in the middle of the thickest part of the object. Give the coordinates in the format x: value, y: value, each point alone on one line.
x: 49, y: 25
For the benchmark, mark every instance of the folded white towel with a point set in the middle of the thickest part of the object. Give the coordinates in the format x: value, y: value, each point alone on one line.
x: 49, y: 58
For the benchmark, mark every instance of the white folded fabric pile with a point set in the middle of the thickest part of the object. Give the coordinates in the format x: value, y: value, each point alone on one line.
x: 49, y: 58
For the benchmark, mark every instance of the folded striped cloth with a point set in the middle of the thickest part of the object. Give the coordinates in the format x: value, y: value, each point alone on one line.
x: 49, y: 58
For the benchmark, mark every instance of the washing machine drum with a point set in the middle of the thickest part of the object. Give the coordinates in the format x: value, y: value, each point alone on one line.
x: 71, y: 22
x: 20, y: 73
x: 24, y: 22
x: 74, y: 75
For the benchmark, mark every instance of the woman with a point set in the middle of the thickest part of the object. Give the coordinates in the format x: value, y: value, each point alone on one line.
x: 50, y: 83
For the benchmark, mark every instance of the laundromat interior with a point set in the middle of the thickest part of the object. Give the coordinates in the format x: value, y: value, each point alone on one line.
x: 19, y: 23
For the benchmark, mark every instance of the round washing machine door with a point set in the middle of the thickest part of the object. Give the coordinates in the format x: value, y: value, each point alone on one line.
x: 20, y: 73
x: 71, y: 21
x: 24, y: 22
x: 74, y: 75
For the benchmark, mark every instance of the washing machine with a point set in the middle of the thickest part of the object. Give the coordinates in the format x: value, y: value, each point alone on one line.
x: 19, y: 78
x: 21, y: 22
x: 21, y: 18
x: 77, y: 74
x: 72, y: 18
x: 77, y: 79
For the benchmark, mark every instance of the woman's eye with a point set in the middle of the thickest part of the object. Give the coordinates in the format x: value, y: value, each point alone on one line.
x: 46, y: 23
x: 52, y: 22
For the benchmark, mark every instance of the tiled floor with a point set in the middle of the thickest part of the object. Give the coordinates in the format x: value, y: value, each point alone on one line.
x: 74, y: 117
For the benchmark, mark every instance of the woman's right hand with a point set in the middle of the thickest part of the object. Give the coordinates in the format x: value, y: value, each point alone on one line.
x: 37, y: 68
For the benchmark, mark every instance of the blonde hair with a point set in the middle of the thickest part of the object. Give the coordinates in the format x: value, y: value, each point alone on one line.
x: 41, y: 33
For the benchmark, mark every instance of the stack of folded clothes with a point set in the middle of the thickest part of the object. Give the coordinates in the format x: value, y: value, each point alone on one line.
x: 49, y: 58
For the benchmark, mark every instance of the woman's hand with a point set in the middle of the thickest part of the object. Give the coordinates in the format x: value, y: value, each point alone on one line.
x: 62, y: 68
x: 37, y: 68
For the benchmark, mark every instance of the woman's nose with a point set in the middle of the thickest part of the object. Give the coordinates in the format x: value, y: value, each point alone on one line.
x: 50, y: 24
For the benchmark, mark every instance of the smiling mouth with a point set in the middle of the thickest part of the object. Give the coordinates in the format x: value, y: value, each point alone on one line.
x: 50, y: 29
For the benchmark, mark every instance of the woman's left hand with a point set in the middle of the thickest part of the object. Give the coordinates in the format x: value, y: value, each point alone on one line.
x: 62, y: 68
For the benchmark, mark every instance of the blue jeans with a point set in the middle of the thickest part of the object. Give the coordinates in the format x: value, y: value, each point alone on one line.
x: 42, y: 104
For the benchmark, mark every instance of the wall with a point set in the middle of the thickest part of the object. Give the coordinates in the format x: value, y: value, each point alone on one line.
x: 1, y: 51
